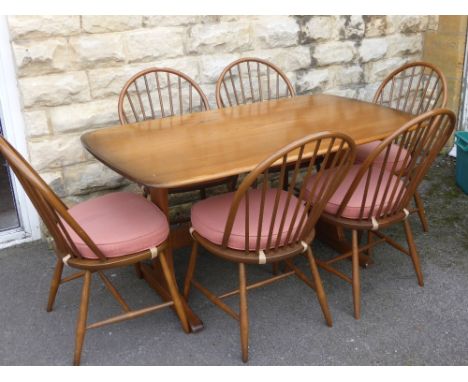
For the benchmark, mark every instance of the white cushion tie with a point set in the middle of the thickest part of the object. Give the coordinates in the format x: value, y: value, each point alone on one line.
x: 261, y: 257
x: 406, y: 213
x: 375, y: 224
x: 154, y: 252
x: 66, y: 258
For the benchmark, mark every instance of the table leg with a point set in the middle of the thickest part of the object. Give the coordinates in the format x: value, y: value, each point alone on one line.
x: 153, y: 274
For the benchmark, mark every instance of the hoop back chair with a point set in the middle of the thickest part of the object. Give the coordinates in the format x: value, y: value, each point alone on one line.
x: 415, y: 88
x: 250, y: 80
x: 156, y: 93
x: 376, y: 194
x: 93, y: 252
x: 263, y: 222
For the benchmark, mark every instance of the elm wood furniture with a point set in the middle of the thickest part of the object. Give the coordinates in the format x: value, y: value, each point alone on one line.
x: 376, y: 194
x: 143, y: 152
x: 263, y: 222
x: 156, y: 93
x: 415, y: 88
x: 250, y: 80
x: 107, y: 232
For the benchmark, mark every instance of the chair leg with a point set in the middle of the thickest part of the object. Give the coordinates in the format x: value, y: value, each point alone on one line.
x: 191, y: 269
x: 244, y: 315
x: 82, y: 317
x: 369, y: 241
x: 319, y: 287
x: 202, y: 193
x: 275, y: 268
x: 174, y: 291
x: 232, y: 183
x: 356, y: 281
x: 413, y: 252
x: 421, y: 212
x: 138, y: 270
x: 54, y: 284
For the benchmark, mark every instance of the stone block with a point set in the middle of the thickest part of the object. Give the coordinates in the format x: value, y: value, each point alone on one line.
x: 55, y: 152
x: 108, y: 82
x: 105, y: 24
x: 373, y: 49
x: 36, y: 123
x: 83, y: 116
x: 335, y: 52
x: 22, y: 27
x: 275, y: 32
x: 319, y: 28
x: 159, y: 21
x: 48, y: 56
x: 375, y: 26
x: 402, y: 45
x: 90, y: 177
x: 98, y: 50
x: 155, y: 44
x: 55, y: 89
x: 312, y: 80
x: 219, y: 38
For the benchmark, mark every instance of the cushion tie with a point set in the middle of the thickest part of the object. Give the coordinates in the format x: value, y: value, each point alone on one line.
x: 66, y: 258
x: 191, y: 230
x: 375, y: 224
x: 261, y: 257
x: 406, y: 213
x: 154, y: 252
x: 304, y: 245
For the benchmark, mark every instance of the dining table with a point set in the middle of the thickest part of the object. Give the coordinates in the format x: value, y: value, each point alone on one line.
x: 202, y: 147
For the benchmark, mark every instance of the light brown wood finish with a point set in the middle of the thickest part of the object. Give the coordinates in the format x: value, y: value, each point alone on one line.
x: 250, y: 80
x: 415, y: 88
x: 281, y: 233
x: 55, y: 214
x: 419, y: 141
x: 156, y: 93
x: 231, y: 141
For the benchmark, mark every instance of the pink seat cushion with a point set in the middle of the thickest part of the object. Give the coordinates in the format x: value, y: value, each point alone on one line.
x: 353, y: 208
x: 363, y: 151
x: 120, y: 223
x: 209, y: 218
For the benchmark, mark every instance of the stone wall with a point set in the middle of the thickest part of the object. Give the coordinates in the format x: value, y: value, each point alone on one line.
x: 71, y: 69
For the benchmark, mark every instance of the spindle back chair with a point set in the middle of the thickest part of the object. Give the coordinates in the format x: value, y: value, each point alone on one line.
x: 158, y: 93
x: 383, y: 191
x: 60, y: 223
x: 415, y: 88
x: 265, y: 222
x: 250, y: 80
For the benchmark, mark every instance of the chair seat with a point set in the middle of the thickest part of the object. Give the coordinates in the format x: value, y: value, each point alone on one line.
x: 363, y: 151
x: 119, y: 223
x: 353, y: 208
x: 209, y: 218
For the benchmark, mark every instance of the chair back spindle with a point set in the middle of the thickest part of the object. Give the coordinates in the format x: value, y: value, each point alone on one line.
x: 414, y: 88
x: 282, y: 218
x: 397, y: 174
x: 159, y: 93
x: 250, y: 80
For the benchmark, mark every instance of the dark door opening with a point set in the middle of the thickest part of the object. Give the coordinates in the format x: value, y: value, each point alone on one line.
x: 8, y: 212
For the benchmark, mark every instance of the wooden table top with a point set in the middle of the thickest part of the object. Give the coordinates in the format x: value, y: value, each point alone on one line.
x: 199, y: 147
